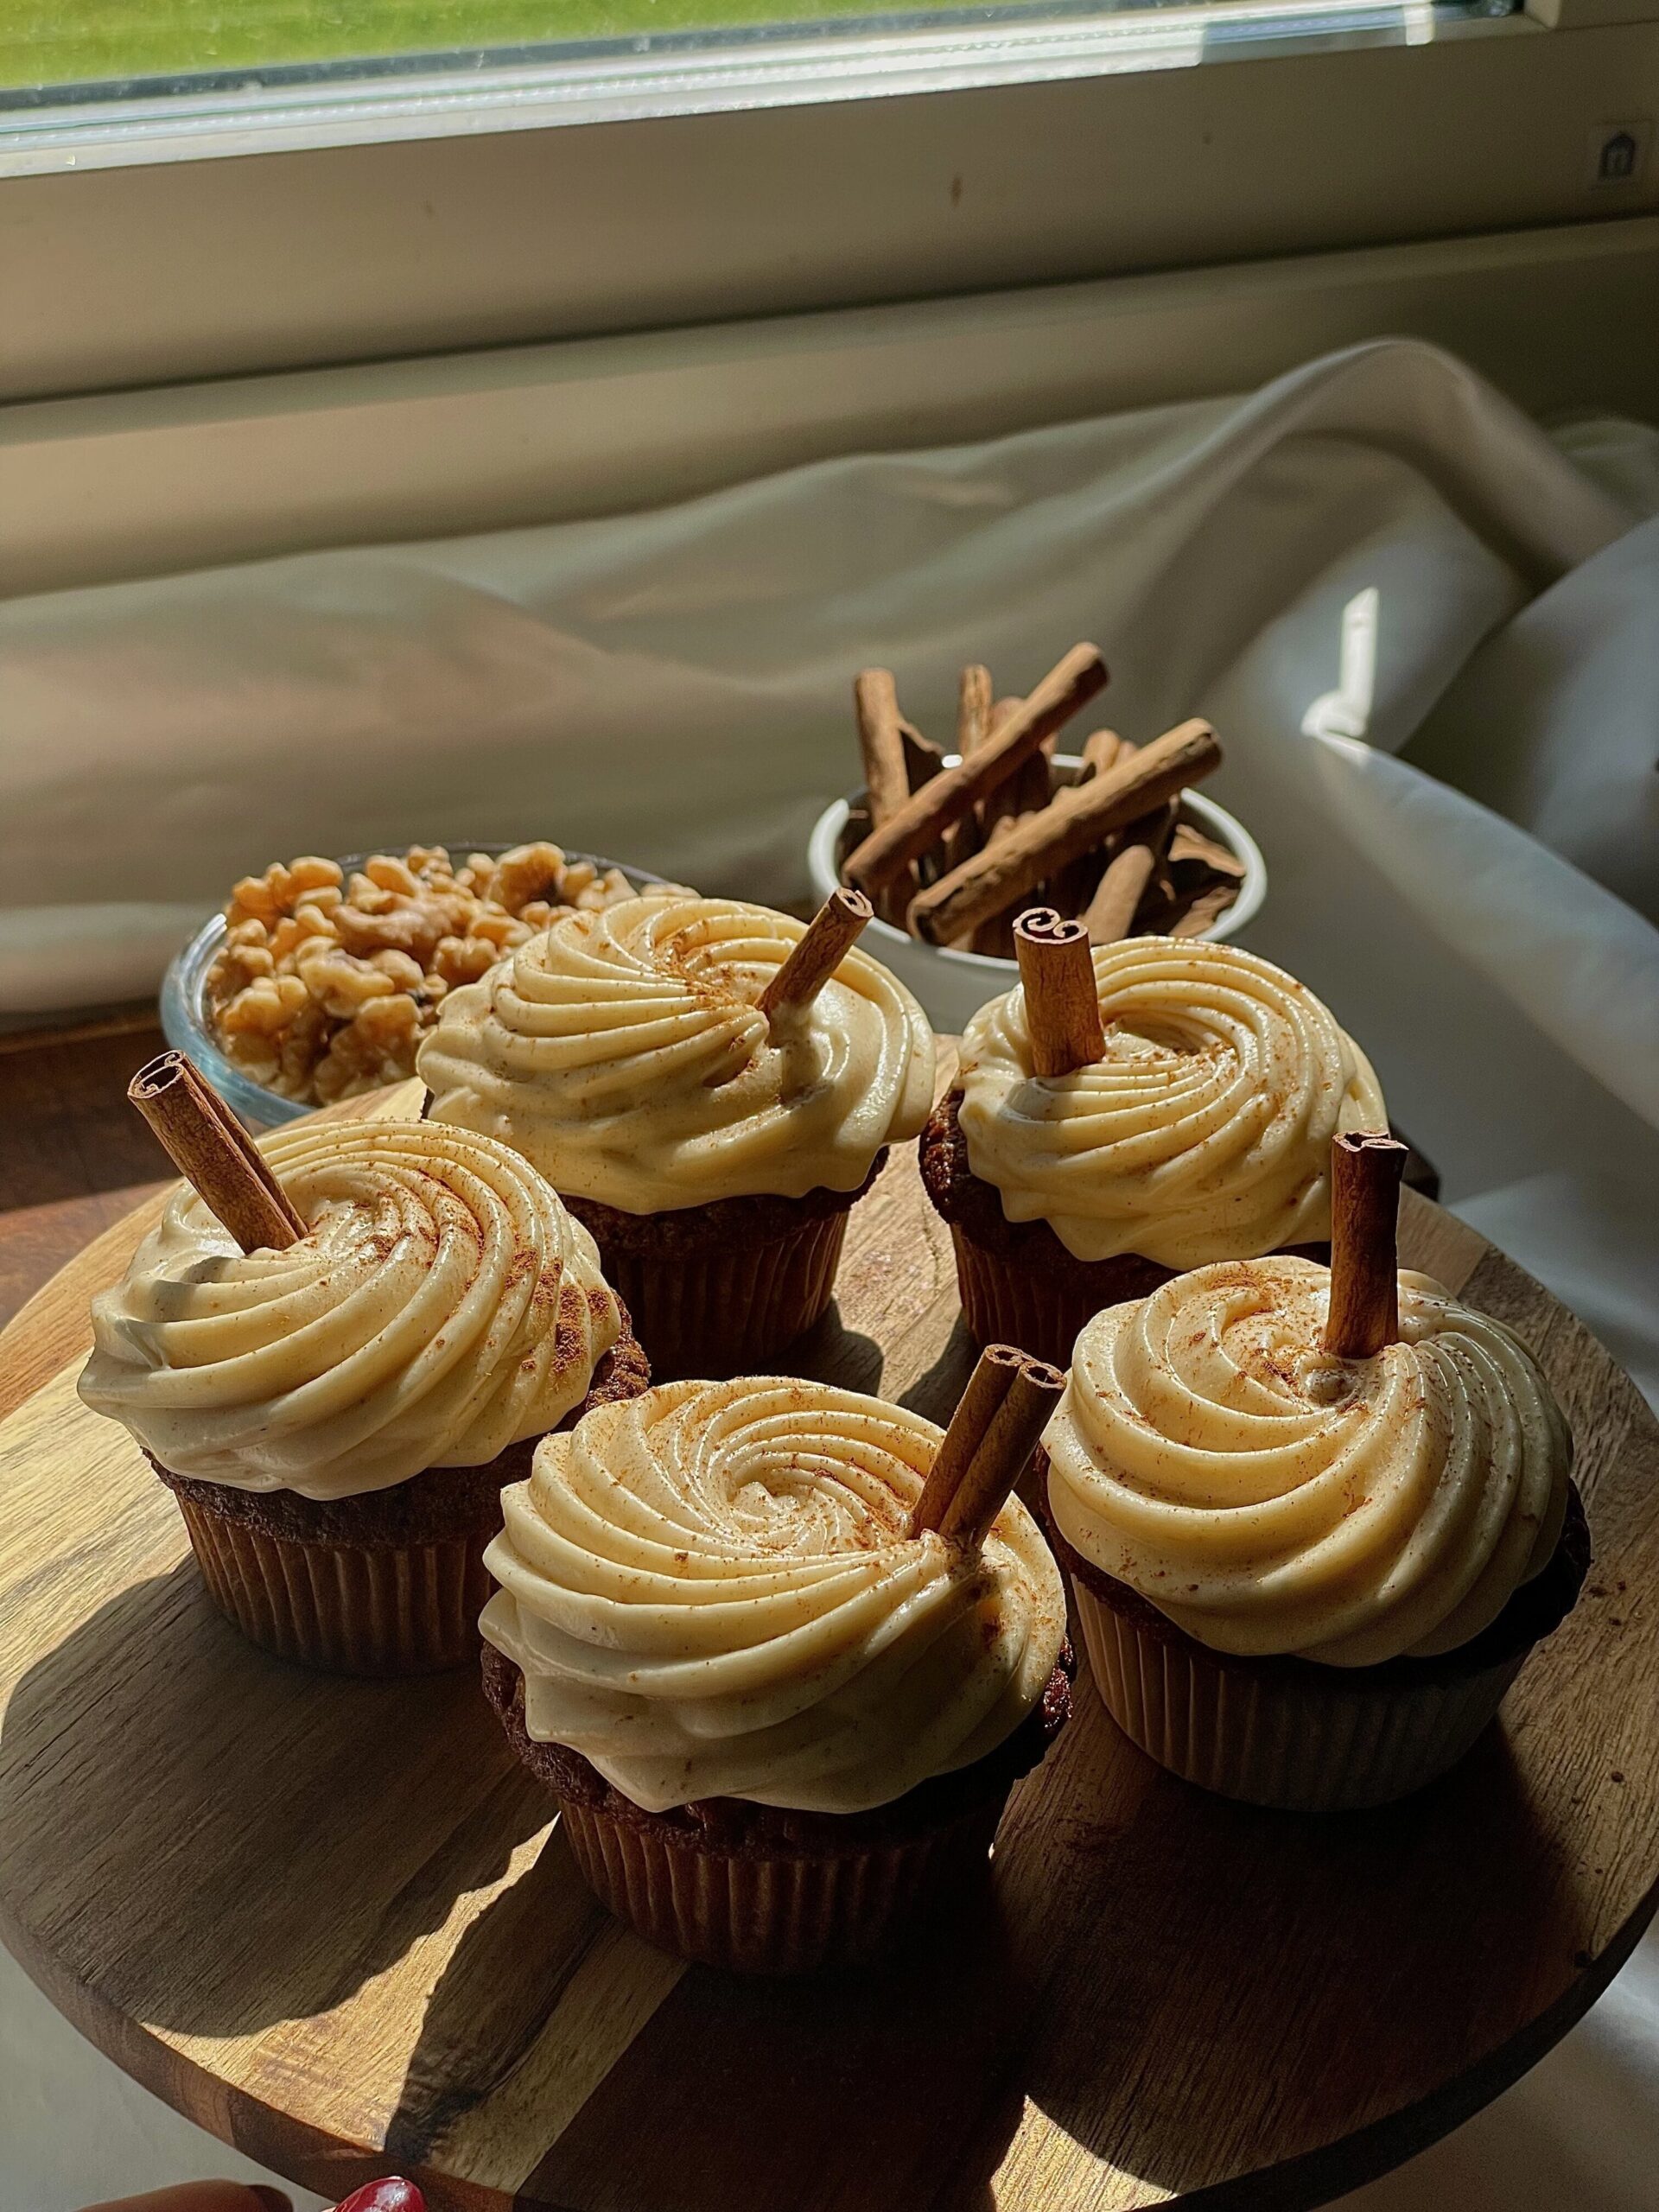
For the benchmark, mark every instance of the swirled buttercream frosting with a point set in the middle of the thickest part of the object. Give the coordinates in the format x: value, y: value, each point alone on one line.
x: 1270, y: 1497
x: 710, y: 1592
x: 1203, y: 1131
x: 625, y: 1055
x: 442, y: 1306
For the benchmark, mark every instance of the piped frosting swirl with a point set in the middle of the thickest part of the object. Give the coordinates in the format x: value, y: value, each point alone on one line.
x: 1204, y: 1133
x: 1272, y: 1498
x: 442, y: 1306
x: 710, y: 1591
x: 625, y: 1055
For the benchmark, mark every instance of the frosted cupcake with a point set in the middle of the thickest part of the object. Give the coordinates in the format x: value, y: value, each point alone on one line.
x: 779, y: 1723
x: 710, y: 1087
x: 1303, y: 1580
x: 1186, y: 1116
x: 337, y: 1418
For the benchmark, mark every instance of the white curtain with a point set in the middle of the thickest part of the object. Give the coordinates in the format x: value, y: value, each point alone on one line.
x: 1428, y: 633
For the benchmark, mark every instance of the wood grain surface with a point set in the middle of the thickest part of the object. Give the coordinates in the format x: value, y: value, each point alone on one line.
x: 333, y: 1921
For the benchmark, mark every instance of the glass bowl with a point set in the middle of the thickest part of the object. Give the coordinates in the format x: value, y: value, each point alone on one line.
x: 188, y: 1028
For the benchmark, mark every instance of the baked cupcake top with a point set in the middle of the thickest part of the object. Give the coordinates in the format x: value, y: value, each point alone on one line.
x: 1270, y: 1497
x: 1202, y: 1133
x: 442, y: 1306
x: 625, y: 1055
x: 710, y: 1592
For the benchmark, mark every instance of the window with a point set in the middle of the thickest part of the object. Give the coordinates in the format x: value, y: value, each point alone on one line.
x: 196, y: 195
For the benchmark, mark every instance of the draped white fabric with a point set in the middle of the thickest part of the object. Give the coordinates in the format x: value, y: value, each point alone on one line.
x: 1427, y: 634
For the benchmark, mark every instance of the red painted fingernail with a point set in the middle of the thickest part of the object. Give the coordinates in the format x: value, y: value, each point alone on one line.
x: 391, y: 2194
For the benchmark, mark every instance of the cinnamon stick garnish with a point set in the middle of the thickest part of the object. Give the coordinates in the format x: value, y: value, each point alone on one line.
x: 1365, y: 1310
x: 215, y: 1155
x: 1070, y: 824
x: 992, y: 1435
x: 829, y: 936
x: 1062, y: 1005
x: 930, y: 812
x: 1110, y: 914
x: 976, y: 1408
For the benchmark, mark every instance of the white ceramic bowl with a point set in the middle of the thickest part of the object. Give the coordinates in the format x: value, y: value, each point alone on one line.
x: 953, y: 986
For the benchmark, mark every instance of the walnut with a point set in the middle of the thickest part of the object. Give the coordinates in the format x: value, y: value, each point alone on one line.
x: 339, y: 982
x: 527, y: 872
x: 414, y: 925
x: 463, y: 959
x: 323, y: 987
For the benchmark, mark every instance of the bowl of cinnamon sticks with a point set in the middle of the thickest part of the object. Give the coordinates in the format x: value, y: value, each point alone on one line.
x: 952, y: 846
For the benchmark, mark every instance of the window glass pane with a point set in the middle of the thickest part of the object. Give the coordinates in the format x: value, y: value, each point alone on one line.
x: 49, y: 48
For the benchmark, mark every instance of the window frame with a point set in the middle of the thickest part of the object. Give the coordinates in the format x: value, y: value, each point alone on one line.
x: 107, y: 486
x: 121, y: 274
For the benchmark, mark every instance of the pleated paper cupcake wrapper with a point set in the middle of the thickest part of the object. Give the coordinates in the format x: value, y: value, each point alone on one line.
x: 784, y: 1914
x: 347, y: 1609
x: 731, y: 1310
x: 1297, y: 1744
x: 1006, y: 1301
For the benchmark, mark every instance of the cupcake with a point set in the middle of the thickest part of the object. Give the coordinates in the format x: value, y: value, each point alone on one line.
x: 1304, y: 1580
x: 1189, y: 1120
x: 779, y: 1725
x: 709, y: 1086
x: 337, y: 1418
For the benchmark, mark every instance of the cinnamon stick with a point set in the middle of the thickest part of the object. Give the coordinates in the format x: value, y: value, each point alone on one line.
x: 875, y: 703
x: 829, y: 935
x: 926, y: 815
x: 974, y: 698
x: 1062, y: 1005
x: 1070, y: 887
x: 215, y: 1155
x: 1103, y: 749
x: 976, y: 1408
x: 974, y: 725
x: 998, y: 1458
x: 1070, y: 824
x: 1026, y: 793
x: 923, y: 759
x: 1365, y: 1310
x: 1202, y: 910
x: 1110, y: 914
x: 887, y: 773
x: 1189, y: 844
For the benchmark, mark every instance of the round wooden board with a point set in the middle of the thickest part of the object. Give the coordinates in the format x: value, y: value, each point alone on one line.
x: 331, y: 1920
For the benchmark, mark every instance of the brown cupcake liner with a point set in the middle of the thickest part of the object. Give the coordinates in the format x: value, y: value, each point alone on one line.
x: 384, y: 1582
x: 349, y: 1609
x: 785, y: 1915
x: 1290, y: 1734
x: 762, y: 1889
x: 722, y: 1311
x: 1018, y: 1283
x: 1297, y: 1744
x: 1007, y: 1299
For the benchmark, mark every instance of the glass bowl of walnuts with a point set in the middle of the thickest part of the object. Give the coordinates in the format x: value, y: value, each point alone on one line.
x: 319, y: 978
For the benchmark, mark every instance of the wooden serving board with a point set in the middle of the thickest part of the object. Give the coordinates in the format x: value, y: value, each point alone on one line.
x: 331, y: 1920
